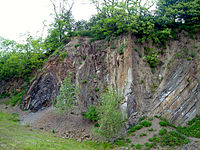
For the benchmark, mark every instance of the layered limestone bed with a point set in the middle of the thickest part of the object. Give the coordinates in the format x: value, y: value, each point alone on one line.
x: 172, y: 90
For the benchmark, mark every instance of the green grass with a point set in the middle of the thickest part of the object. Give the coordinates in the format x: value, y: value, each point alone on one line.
x: 192, y: 129
x: 146, y: 123
x: 4, y: 95
x: 18, y: 137
x: 164, y: 123
x: 173, y: 138
x: 138, y: 146
x: 77, y: 45
x: 120, y: 142
x: 16, y: 99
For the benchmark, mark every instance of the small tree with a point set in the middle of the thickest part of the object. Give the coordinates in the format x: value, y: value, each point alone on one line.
x: 65, y: 101
x: 110, y: 117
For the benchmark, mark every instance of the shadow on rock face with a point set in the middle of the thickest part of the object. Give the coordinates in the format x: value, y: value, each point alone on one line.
x: 41, y: 92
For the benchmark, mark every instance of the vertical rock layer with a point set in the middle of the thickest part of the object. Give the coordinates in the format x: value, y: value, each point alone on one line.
x: 172, y: 90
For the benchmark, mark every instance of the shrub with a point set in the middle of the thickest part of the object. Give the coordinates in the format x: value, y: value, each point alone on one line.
x: 132, y: 129
x: 77, y: 45
x: 120, y: 142
x: 132, y: 145
x: 91, y: 114
x: 151, y: 129
x: 138, y: 146
x: 138, y: 127
x: 121, y: 50
x: 151, y: 57
x: 152, y: 60
x: 146, y: 123
x: 110, y: 117
x: 164, y: 123
x: 154, y: 139
x: 128, y: 141
x: 148, y: 146
x: 163, y: 131
x: 66, y: 99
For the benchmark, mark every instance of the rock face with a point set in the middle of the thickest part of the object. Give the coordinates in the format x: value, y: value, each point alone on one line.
x: 172, y: 90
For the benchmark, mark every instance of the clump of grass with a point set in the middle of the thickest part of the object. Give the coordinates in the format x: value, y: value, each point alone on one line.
x: 138, y: 146
x: 151, y: 129
x: 146, y: 123
x: 162, y: 131
x: 120, y: 142
x: 148, y: 146
x: 121, y: 50
x: 128, y: 141
x: 84, y: 81
x: 164, y: 123
x: 131, y: 129
x: 76, y: 45
x: 138, y: 127
x: 155, y: 139
x: 143, y: 134
x: 91, y: 114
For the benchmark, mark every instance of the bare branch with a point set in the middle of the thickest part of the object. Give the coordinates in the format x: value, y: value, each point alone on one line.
x: 54, y: 7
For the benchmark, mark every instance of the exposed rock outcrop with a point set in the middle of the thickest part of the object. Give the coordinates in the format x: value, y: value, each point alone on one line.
x: 172, y: 91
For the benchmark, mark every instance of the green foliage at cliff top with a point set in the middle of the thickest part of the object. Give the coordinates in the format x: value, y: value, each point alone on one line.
x: 113, y: 18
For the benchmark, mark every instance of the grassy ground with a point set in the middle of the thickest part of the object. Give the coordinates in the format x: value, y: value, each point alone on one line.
x: 157, y: 133
x: 17, y: 137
